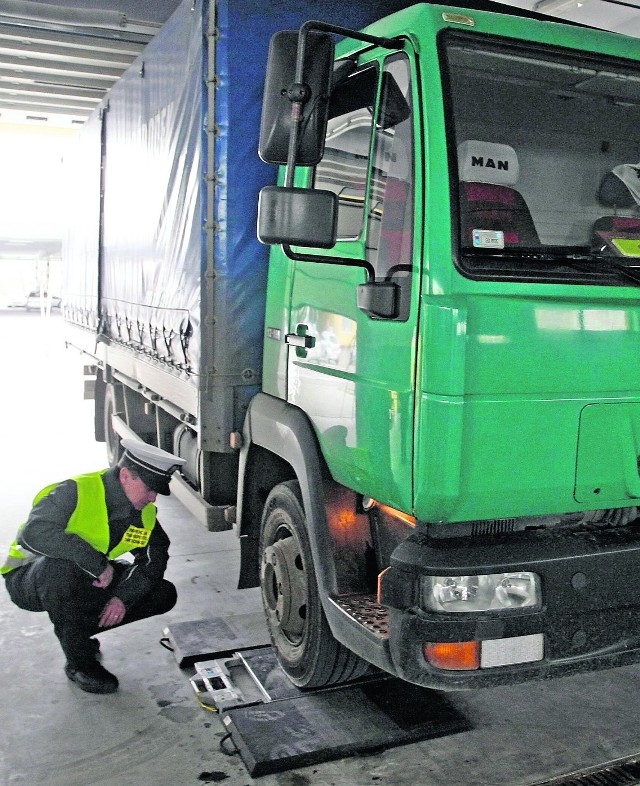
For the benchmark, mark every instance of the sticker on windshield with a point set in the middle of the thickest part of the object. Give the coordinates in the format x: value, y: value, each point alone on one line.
x: 627, y: 246
x: 488, y: 238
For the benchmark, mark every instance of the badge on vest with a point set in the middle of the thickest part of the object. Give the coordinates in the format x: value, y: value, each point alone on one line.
x: 136, y: 537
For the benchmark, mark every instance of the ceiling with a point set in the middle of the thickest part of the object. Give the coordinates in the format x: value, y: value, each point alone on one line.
x: 57, y: 59
x: 619, y: 16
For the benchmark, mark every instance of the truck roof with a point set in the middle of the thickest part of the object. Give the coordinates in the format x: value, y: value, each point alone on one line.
x: 495, y: 8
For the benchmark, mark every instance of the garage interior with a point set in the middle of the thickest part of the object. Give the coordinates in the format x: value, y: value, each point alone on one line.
x: 154, y: 730
x: 58, y: 61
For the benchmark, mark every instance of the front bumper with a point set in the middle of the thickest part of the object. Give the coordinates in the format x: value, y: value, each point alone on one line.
x: 589, y: 619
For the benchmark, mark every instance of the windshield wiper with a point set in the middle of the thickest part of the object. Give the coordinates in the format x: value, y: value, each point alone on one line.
x: 630, y: 271
x: 581, y: 260
x: 576, y: 258
x: 554, y: 255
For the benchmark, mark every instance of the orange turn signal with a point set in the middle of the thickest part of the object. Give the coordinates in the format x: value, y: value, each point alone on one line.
x: 453, y: 656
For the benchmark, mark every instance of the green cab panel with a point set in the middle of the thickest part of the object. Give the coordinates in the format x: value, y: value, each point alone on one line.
x: 509, y: 421
x: 355, y: 383
x: 608, y: 455
x: 274, y: 377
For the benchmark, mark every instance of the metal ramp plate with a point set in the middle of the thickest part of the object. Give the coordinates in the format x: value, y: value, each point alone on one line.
x: 206, y: 639
x: 275, y: 726
x: 252, y: 676
x: 333, y: 724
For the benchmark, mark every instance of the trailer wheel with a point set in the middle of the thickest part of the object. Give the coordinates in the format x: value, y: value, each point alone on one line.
x: 302, y: 639
x: 112, y: 438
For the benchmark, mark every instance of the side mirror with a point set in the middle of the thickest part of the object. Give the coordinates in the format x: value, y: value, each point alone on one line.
x: 298, y: 217
x: 379, y: 299
x: 281, y: 90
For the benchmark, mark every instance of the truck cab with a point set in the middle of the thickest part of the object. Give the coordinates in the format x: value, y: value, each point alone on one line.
x: 451, y: 333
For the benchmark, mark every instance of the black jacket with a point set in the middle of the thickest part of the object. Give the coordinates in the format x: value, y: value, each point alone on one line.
x: 44, y: 534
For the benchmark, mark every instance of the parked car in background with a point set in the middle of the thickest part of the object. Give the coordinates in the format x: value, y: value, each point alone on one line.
x: 36, y: 301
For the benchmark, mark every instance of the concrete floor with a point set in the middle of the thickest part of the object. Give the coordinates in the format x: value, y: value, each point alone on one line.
x: 152, y: 732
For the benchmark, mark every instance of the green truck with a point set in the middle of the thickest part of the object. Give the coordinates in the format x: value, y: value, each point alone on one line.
x: 422, y: 413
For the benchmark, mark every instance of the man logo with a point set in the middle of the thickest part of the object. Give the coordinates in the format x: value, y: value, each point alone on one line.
x: 489, y: 163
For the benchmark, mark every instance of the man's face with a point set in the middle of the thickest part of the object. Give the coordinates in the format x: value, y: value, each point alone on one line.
x: 136, y: 491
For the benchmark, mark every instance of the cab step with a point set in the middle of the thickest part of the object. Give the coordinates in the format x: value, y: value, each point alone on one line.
x: 366, y: 610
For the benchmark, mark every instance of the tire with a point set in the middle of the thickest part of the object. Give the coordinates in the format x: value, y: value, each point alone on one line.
x: 306, y: 649
x: 112, y: 438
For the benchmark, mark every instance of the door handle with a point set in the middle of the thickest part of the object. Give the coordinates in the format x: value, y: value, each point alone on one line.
x: 304, y: 342
x: 300, y: 340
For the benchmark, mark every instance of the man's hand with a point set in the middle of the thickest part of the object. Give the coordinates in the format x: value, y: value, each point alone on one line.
x: 105, y: 578
x: 112, y: 614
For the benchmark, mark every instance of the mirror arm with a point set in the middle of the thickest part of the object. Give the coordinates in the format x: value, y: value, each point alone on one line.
x: 361, y: 263
x: 298, y: 96
x: 298, y: 93
x: 322, y: 27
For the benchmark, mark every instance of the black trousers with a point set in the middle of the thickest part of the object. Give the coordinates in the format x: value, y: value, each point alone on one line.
x: 65, y: 592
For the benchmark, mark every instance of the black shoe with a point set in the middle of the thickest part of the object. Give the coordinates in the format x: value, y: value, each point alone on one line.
x: 91, y: 677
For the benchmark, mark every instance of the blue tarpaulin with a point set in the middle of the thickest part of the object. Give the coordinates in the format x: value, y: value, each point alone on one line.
x: 151, y: 292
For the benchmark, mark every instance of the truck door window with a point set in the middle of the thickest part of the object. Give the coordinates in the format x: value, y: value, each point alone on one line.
x: 344, y: 166
x: 369, y: 161
x: 389, y: 240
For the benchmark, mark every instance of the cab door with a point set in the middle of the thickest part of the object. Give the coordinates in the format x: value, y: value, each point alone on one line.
x: 351, y: 372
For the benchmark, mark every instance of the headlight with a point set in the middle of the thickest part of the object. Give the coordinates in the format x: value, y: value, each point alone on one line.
x: 492, y: 592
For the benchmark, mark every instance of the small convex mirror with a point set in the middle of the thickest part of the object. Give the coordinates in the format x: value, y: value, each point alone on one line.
x: 298, y: 217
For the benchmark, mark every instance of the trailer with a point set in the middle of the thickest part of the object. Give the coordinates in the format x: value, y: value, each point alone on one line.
x: 420, y: 409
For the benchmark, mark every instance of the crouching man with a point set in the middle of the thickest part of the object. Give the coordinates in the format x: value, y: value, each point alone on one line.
x: 64, y: 559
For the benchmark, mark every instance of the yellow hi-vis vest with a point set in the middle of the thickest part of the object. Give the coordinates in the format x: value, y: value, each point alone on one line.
x: 90, y: 521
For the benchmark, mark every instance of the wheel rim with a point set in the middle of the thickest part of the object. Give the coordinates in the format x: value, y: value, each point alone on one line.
x: 284, y: 586
x: 112, y: 439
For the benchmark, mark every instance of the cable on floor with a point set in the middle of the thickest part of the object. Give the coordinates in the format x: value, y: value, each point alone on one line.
x: 224, y: 749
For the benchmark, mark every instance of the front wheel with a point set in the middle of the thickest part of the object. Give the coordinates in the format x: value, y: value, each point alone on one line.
x: 300, y: 633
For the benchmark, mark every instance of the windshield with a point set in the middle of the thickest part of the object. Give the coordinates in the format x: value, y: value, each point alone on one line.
x: 546, y: 152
